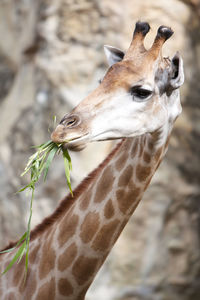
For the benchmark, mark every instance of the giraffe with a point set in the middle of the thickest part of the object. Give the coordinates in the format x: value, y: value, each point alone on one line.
x: 137, y: 102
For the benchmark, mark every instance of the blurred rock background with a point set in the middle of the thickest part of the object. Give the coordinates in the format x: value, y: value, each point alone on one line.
x: 51, y: 56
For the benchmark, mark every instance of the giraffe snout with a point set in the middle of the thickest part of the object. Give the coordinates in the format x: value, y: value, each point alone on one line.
x: 66, y: 128
x: 72, y: 132
x: 58, y: 135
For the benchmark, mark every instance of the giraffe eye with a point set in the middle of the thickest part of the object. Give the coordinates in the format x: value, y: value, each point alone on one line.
x: 140, y: 93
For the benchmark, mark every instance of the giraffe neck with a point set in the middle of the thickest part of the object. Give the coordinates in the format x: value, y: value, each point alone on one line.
x: 98, y: 216
x: 65, y: 257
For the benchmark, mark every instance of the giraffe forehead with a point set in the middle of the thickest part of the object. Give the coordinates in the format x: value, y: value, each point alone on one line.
x: 123, y: 75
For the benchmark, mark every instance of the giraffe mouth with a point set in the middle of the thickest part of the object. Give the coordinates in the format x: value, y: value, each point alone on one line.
x: 76, y: 143
x: 70, y: 138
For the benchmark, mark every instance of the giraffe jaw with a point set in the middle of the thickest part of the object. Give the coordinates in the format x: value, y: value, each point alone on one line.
x: 77, y: 143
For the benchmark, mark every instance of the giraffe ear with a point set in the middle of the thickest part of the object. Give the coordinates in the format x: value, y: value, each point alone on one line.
x: 176, y: 72
x: 113, y: 54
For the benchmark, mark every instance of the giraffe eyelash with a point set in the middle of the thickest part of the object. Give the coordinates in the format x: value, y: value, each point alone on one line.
x: 140, y: 93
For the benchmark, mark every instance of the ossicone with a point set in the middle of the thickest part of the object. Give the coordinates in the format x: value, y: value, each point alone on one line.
x: 137, y: 44
x: 141, y: 27
x: 164, y: 32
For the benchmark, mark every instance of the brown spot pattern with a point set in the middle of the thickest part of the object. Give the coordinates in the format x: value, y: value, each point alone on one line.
x: 147, y: 157
x: 151, y: 145
x: 142, y: 172
x: 30, y: 288
x: 121, y: 161
x: 109, y: 210
x: 23, y: 286
x: 103, y: 239
x: 84, y: 268
x: 33, y: 254
x: 86, y: 200
x: 126, y: 176
x: 68, y: 256
x: 127, y: 199
x: 105, y: 185
x: 64, y: 287
x: 67, y: 229
x: 134, y: 148
x: 47, y: 291
x: 89, y: 226
x: 18, y: 273
x: 47, y: 262
x: 141, y: 149
x: 158, y: 153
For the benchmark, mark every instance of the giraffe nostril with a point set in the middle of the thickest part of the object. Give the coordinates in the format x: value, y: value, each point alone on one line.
x: 70, y: 121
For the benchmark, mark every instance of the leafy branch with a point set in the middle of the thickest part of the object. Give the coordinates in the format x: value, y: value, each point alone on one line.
x: 37, y: 165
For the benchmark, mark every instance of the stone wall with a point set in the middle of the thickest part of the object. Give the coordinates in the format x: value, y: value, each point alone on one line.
x: 51, y: 56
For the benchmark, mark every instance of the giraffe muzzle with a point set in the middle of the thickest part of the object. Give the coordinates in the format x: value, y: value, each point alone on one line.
x: 71, y: 133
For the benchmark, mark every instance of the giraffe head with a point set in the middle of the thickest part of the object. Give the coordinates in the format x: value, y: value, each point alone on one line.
x: 138, y: 94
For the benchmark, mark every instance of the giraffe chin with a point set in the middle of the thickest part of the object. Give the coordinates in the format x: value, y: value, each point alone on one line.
x: 76, y: 144
x: 74, y: 147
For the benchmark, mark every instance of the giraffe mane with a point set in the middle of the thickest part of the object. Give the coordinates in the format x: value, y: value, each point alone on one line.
x: 68, y: 201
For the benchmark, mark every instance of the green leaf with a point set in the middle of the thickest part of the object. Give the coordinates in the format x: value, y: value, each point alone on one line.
x: 30, y: 163
x: 66, y: 154
x: 23, y: 237
x: 15, y: 258
x: 54, y: 120
x: 29, y: 232
x: 67, y: 173
x: 21, y: 255
x: 24, y: 188
x: 49, y: 160
x: 26, y: 259
x: 44, y: 145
